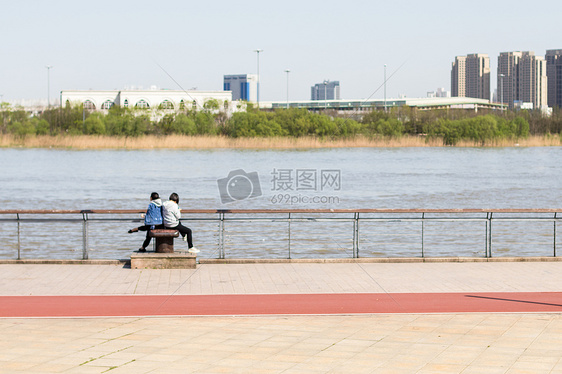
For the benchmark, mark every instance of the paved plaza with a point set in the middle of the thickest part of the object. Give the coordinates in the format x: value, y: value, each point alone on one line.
x: 476, y: 342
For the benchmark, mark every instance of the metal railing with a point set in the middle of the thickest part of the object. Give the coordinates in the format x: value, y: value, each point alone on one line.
x: 357, y: 218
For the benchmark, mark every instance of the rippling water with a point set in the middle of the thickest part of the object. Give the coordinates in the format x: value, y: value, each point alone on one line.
x: 364, y: 178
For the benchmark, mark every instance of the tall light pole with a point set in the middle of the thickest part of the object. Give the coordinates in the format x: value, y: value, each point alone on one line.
x: 385, y: 88
x: 258, y: 53
x: 325, y: 94
x: 287, y: 71
x: 49, y: 67
x: 501, y: 88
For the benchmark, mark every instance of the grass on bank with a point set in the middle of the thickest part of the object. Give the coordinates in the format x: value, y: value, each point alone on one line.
x: 212, y: 142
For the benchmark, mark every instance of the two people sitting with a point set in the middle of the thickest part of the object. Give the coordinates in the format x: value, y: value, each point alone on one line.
x: 166, y: 215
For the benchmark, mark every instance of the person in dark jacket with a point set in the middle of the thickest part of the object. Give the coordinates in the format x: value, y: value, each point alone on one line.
x: 152, y: 219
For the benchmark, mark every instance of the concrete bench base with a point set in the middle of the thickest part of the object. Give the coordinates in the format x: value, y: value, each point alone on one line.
x: 153, y: 260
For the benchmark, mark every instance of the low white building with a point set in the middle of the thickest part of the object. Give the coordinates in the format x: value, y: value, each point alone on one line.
x: 146, y: 99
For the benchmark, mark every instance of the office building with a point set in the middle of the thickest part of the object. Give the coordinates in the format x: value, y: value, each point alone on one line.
x: 554, y: 76
x: 243, y: 86
x: 327, y: 90
x: 522, y: 79
x: 470, y: 76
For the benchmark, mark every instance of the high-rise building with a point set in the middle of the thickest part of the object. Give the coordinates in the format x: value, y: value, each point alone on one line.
x: 327, y: 90
x: 478, y: 76
x: 458, y: 77
x: 243, y: 86
x: 554, y: 75
x: 470, y: 76
x: 522, y: 79
x: 441, y: 92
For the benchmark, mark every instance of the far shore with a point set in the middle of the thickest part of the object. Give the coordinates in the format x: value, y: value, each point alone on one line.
x: 217, y: 142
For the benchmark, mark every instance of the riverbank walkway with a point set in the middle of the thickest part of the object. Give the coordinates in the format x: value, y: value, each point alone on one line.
x: 435, y: 317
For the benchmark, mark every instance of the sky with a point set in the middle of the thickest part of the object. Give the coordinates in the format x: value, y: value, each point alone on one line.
x: 120, y: 44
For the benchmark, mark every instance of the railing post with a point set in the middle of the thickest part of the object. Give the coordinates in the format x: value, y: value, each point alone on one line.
x: 489, y: 234
x: 486, y: 238
x: 221, y: 235
x: 356, y: 235
x: 19, y: 245
x: 289, y: 236
x: 84, y: 236
x: 554, y: 234
x: 423, y: 222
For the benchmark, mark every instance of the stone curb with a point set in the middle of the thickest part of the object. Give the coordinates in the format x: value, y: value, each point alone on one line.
x: 295, y: 261
x: 65, y: 262
x: 380, y: 260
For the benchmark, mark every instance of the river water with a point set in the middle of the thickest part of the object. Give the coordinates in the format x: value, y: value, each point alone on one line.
x: 351, y: 178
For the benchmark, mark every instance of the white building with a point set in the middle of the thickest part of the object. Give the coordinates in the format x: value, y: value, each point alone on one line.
x: 145, y: 99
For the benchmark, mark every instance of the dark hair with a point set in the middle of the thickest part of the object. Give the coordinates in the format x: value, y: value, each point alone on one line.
x: 174, y: 197
x: 154, y: 196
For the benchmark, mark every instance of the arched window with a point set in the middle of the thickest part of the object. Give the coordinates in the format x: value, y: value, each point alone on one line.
x: 67, y: 103
x: 166, y: 104
x: 126, y: 103
x: 89, y: 104
x: 107, y: 104
x: 142, y: 103
x: 194, y: 105
x: 182, y: 105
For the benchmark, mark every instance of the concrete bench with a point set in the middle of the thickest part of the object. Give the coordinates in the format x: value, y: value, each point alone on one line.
x: 164, y: 239
x: 152, y: 260
x: 164, y: 257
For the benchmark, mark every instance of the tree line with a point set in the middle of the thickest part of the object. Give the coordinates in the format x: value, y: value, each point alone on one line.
x: 450, y: 125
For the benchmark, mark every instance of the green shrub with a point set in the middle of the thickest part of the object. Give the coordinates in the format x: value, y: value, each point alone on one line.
x: 94, y: 125
x: 21, y: 129
x: 41, y: 126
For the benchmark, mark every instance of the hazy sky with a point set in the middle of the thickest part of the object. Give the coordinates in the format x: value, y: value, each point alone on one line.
x: 117, y: 44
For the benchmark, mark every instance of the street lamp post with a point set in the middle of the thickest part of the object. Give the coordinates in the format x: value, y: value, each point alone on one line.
x: 385, y: 88
x: 287, y: 71
x: 49, y: 67
x: 258, y: 93
x: 325, y: 94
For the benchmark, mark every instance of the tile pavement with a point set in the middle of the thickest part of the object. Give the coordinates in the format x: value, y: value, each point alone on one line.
x: 387, y: 343
x: 24, y: 279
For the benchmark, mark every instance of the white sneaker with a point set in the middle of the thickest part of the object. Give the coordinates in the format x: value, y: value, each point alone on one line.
x: 193, y: 250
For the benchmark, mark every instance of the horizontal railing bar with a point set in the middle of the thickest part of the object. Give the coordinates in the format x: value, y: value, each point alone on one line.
x: 281, y: 211
x: 548, y: 219
x: 388, y: 220
x: 284, y: 219
x: 66, y: 220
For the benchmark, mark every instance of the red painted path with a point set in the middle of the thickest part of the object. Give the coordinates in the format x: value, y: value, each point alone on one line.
x: 350, y: 303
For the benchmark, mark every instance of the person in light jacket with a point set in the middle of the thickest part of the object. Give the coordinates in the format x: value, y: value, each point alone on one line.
x: 171, y: 214
x: 152, y: 219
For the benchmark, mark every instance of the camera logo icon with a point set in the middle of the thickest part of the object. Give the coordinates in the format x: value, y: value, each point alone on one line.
x: 239, y: 185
